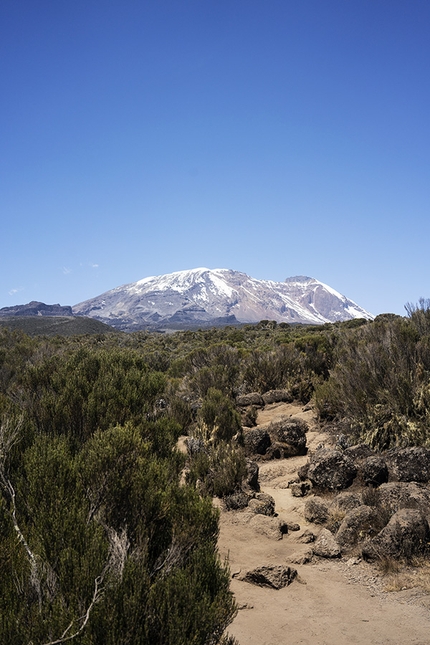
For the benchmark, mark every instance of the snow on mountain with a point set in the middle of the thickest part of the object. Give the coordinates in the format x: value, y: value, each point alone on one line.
x: 218, y: 296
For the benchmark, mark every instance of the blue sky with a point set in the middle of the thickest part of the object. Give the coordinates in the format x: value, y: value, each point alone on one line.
x: 274, y: 137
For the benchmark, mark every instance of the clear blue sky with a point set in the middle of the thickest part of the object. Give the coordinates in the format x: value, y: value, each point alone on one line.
x: 274, y: 137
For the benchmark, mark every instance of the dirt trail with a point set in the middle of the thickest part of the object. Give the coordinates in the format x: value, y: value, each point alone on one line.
x: 332, y: 602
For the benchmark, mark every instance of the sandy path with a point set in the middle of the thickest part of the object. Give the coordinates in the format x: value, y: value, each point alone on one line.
x: 332, y: 603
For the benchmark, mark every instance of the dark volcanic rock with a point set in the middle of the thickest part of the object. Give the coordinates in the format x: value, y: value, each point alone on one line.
x: 277, y: 396
x: 290, y: 436
x: 359, y: 452
x: 253, y: 398
x: 397, y: 495
x: 374, y: 471
x: 409, y: 464
x: 275, y: 576
x: 357, y: 524
x: 236, y: 501
x: 262, y: 504
x: 252, y: 475
x: 257, y: 441
x: 303, y: 471
x: 406, y: 534
x: 347, y: 501
x: 316, y: 510
x: 331, y: 470
x: 301, y: 489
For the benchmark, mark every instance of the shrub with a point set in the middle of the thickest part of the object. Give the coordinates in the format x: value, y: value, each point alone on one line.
x: 217, y: 418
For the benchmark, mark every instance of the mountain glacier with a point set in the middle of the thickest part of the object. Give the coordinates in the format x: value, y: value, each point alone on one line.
x: 202, y: 297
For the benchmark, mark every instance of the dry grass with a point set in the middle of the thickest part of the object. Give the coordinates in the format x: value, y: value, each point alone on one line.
x: 400, y: 576
x: 335, y: 519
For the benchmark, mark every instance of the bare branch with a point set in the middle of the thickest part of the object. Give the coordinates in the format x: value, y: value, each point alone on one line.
x: 98, y: 591
x: 174, y: 556
x: 9, y: 436
x: 118, y: 549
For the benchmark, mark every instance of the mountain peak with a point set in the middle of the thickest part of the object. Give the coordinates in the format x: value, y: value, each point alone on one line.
x: 202, y: 296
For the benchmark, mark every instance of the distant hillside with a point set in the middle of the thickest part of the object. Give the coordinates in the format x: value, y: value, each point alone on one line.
x: 36, y: 308
x: 55, y: 325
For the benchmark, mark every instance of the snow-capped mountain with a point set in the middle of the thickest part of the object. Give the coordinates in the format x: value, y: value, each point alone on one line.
x: 201, y: 297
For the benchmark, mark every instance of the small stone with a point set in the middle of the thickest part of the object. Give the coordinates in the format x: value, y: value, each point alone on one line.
x: 293, y: 526
x: 301, y: 489
x: 306, y: 537
x: 353, y: 561
x: 301, y: 558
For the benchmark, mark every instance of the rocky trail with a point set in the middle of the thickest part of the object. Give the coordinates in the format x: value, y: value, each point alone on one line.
x: 331, y: 601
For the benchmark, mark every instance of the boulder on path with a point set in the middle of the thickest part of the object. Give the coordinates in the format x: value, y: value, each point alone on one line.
x: 331, y: 470
x: 326, y: 545
x: 406, y: 534
x: 289, y: 435
x: 306, y: 537
x: 271, y: 527
x: 409, y: 464
x: 236, y: 501
x: 300, y: 489
x: 257, y: 441
x: 274, y: 576
x: 253, y: 398
x: 316, y: 510
x: 302, y: 472
x: 263, y: 504
x: 301, y: 558
x: 277, y: 396
x: 356, y: 525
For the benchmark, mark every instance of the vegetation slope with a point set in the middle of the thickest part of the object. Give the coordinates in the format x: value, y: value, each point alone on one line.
x: 101, y: 539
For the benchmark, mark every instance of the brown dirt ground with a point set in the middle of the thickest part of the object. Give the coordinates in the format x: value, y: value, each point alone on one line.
x: 333, y: 602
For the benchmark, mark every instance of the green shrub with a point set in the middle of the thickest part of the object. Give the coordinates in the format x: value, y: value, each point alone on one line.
x: 217, y: 418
